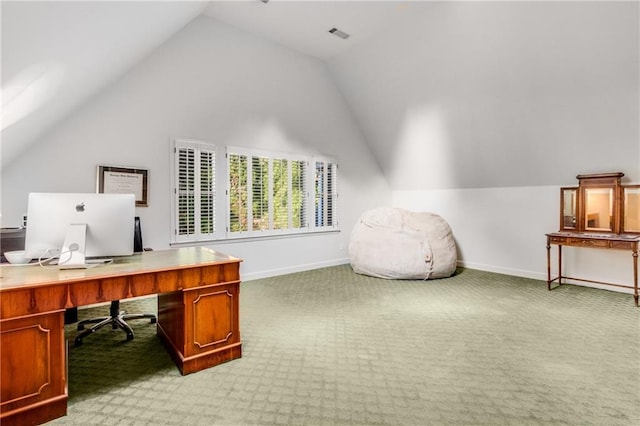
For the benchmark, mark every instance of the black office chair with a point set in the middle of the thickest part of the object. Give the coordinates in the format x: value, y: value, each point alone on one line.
x: 116, y: 318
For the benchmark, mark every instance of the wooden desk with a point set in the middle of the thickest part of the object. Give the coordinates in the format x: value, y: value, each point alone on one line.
x: 591, y: 240
x: 198, y: 303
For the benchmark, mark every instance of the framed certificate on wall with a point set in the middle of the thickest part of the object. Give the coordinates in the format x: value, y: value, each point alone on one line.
x: 124, y: 180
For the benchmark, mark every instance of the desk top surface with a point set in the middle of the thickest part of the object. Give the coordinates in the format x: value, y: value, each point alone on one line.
x: 595, y: 236
x: 15, y: 276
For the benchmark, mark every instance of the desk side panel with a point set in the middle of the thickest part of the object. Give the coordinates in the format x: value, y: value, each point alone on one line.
x: 30, y: 384
x: 200, y: 324
x: 213, y: 313
x: 171, y: 323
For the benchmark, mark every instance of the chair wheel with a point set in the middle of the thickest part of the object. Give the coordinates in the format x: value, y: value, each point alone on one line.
x: 129, y: 336
x: 154, y: 320
x: 78, y: 342
x: 80, y: 327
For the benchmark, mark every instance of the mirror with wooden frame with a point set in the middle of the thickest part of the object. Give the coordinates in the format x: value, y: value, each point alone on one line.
x: 598, y: 209
x: 600, y: 204
x: 568, y: 206
x: 631, y: 209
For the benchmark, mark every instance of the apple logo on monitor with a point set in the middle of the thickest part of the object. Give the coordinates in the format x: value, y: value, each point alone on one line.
x: 80, y: 207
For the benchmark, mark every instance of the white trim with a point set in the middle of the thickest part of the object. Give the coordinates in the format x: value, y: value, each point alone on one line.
x: 502, y: 270
x: 254, y: 238
x: 291, y: 269
x: 198, y: 146
x: 542, y: 277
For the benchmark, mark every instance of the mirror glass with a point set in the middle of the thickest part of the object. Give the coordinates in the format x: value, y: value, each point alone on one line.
x: 569, y: 198
x: 631, y: 209
x: 598, y: 209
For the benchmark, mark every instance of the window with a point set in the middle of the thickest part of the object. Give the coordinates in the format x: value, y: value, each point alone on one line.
x: 263, y: 193
x: 194, y: 212
x: 277, y: 187
x: 325, y: 193
x: 237, y: 194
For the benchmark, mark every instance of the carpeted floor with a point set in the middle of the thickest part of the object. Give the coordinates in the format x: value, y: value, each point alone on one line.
x: 330, y: 347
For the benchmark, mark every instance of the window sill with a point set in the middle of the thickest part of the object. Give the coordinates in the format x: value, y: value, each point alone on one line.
x: 253, y: 238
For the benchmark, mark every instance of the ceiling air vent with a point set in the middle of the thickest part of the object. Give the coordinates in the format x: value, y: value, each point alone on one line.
x: 339, y: 33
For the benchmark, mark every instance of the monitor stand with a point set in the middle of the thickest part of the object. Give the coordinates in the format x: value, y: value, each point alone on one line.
x: 72, y: 255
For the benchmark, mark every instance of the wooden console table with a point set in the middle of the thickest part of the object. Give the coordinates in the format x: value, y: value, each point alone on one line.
x: 198, y: 306
x: 590, y: 240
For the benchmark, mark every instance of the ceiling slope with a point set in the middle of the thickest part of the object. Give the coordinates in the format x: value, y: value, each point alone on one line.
x: 56, y: 55
x: 493, y: 94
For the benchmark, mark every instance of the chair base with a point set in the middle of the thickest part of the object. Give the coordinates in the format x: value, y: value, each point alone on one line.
x: 117, y: 320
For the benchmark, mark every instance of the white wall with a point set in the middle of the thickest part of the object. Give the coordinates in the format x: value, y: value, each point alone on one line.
x: 215, y: 83
x: 503, y: 230
x: 480, y: 111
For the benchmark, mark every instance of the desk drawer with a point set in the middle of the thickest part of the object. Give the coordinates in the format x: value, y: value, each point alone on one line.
x: 557, y: 240
x: 588, y: 243
x: 628, y: 245
x: 570, y: 240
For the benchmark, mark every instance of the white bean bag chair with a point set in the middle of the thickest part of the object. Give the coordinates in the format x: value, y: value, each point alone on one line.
x: 398, y: 244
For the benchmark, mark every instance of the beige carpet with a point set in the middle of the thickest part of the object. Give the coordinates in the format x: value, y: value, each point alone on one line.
x: 329, y: 347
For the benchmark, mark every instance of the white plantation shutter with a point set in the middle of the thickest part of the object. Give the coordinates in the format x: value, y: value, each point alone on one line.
x: 237, y: 193
x: 280, y: 194
x: 260, y: 198
x: 266, y: 194
x: 331, y: 195
x: 276, y: 187
x: 185, y: 171
x: 299, y: 194
x: 325, y: 196
x: 207, y: 192
x: 195, y: 191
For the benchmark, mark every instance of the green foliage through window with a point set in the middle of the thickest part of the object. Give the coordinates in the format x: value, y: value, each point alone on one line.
x: 266, y: 193
x: 238, y: 192
x: 277, y: 188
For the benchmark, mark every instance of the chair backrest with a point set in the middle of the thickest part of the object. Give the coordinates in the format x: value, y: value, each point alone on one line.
x: 137, y: 236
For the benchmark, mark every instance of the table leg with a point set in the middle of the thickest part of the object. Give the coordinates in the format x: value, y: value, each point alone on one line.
x: 559, y: 264
x: 548, y: 265
x: 635, y: 276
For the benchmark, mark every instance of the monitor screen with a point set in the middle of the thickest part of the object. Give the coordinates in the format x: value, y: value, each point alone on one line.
x: 89, y: 225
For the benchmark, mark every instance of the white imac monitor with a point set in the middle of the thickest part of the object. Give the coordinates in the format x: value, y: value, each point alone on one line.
x: 77, y: 227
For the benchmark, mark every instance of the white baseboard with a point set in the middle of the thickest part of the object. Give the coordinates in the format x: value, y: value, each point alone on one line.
x: 291, y: 269
x: 502, y: 270
x: 538, y: 276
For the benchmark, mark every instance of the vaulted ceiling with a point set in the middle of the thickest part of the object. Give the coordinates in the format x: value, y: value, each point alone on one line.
x: 57, y: 55
x: 479, y: 91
